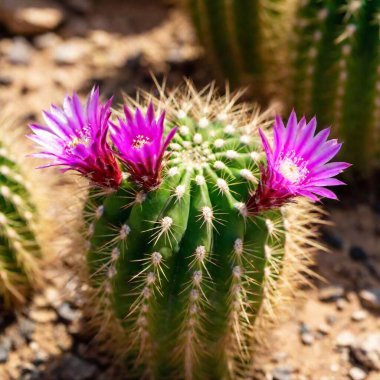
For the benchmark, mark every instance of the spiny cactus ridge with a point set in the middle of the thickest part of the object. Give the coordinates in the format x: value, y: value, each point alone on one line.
x: 321, y: 57
x: 245, y: 39
x: 336, y: 71
x: 19, y: 249
x: 182, y: 282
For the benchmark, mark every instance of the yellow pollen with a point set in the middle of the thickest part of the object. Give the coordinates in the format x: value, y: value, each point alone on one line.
x: 291, y: 171
x: 140, y: 140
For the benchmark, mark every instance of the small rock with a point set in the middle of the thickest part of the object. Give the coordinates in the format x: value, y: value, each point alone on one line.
x: 367, y: 351
x: 358, y: 254
x: 324, y: 328
x: 331, y: 293
x: 5, y: 80
x: 304, y: 328
x: 66, y: 312
x: 279, y: 356
x: 43, y: 315
x: 341, y: 304
x: 370, y: 298
x: 73, y: 368
x: 282, y: 373
x: 27, y: 327
x: 3, y: 354
x: 27, y: 18
x: 47, y: 40
x: 20, y: 52
x: 359, y: 315
x: 331, y: 319
x: 307, y: 339
x: 357, y: 373
x: 345, y: 339
x: 70, y: 52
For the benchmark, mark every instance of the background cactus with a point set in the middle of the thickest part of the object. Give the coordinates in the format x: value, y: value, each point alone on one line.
x: 19, y: 249
x: 336, y: 71
x: 246, y: 39
x: 182, y: 283
x: 329, y: 66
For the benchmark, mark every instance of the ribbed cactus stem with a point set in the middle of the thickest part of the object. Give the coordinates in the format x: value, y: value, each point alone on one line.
x: 335, y: 70
x: 18, y: 246
x: 244, y: 38
x: 181, y: 277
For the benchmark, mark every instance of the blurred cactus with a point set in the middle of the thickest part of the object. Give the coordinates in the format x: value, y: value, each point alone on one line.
x: 182, y: 281
x: 336, y: 71
x: 246, y: 39
x: 19, y: 250
x: 329, y: 66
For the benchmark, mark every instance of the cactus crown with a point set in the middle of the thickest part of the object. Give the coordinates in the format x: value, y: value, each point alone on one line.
x: 180, y: 278
x: 18, y: 245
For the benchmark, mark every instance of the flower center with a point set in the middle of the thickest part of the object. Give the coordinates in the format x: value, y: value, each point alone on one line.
x: 140, y: 140
x: 293, y: 168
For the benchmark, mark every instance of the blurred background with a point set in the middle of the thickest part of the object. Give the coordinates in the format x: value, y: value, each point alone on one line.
x: 49, y: 48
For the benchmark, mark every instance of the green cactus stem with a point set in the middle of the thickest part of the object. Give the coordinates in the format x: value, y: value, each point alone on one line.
x: 245, y: 39
x: 181, y: 281
x: 19, y: 249
x: 336, y: 71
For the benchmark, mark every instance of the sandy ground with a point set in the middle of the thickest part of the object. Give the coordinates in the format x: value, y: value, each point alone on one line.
x: 118, y: 46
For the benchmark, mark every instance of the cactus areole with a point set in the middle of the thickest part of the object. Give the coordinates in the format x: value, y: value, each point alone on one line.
x: 181, y: 274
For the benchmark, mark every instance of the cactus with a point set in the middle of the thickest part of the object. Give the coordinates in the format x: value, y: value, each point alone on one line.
x: 336, y: 57
x: 19, y: 249
x: 245, y: 39
x: 182, y: 281
x: 192, y: 238
x: 329, y: 66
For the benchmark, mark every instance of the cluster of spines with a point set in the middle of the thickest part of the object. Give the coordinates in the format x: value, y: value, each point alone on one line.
x: 18, y: 246
x: 335, y: 65
x: 241, y: 274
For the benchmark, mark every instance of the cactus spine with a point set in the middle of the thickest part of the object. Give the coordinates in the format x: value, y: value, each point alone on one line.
x: 19, y: 250
x: 337, y: 71
x: 182, y: 282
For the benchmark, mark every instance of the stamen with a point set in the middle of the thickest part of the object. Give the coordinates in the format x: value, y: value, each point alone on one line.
x: 140, y: 140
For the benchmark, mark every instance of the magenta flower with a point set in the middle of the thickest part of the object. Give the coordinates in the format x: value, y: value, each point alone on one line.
x: 141, y: 145
x: 297, y: 165
x: 75, y: 138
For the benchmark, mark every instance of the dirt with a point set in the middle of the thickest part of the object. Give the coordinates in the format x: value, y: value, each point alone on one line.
x: 120, y: 45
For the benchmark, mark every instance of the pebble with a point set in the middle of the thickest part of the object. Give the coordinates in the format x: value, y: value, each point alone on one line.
x: 358, y: 254
x: 279, y: 356
x: 324, y: 328
x: 5, y: 80
x: 367, y: 351
x: 47, y: 40
x: 331, y: 319
x: 24, y: 17
x: 357, y: 373
x: 370, y: 298
x: 20, y: 52
x: 341, y: 304
x: 67, y: 312
x: 307, y: 339
x: 345, y: 339
x: 3, y: 354
x: 282, y: 373
x: 43, y: 315
x: 359, y: 315
x: 331, y: 293
x: 69, y: 53
x: 27, y: 327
